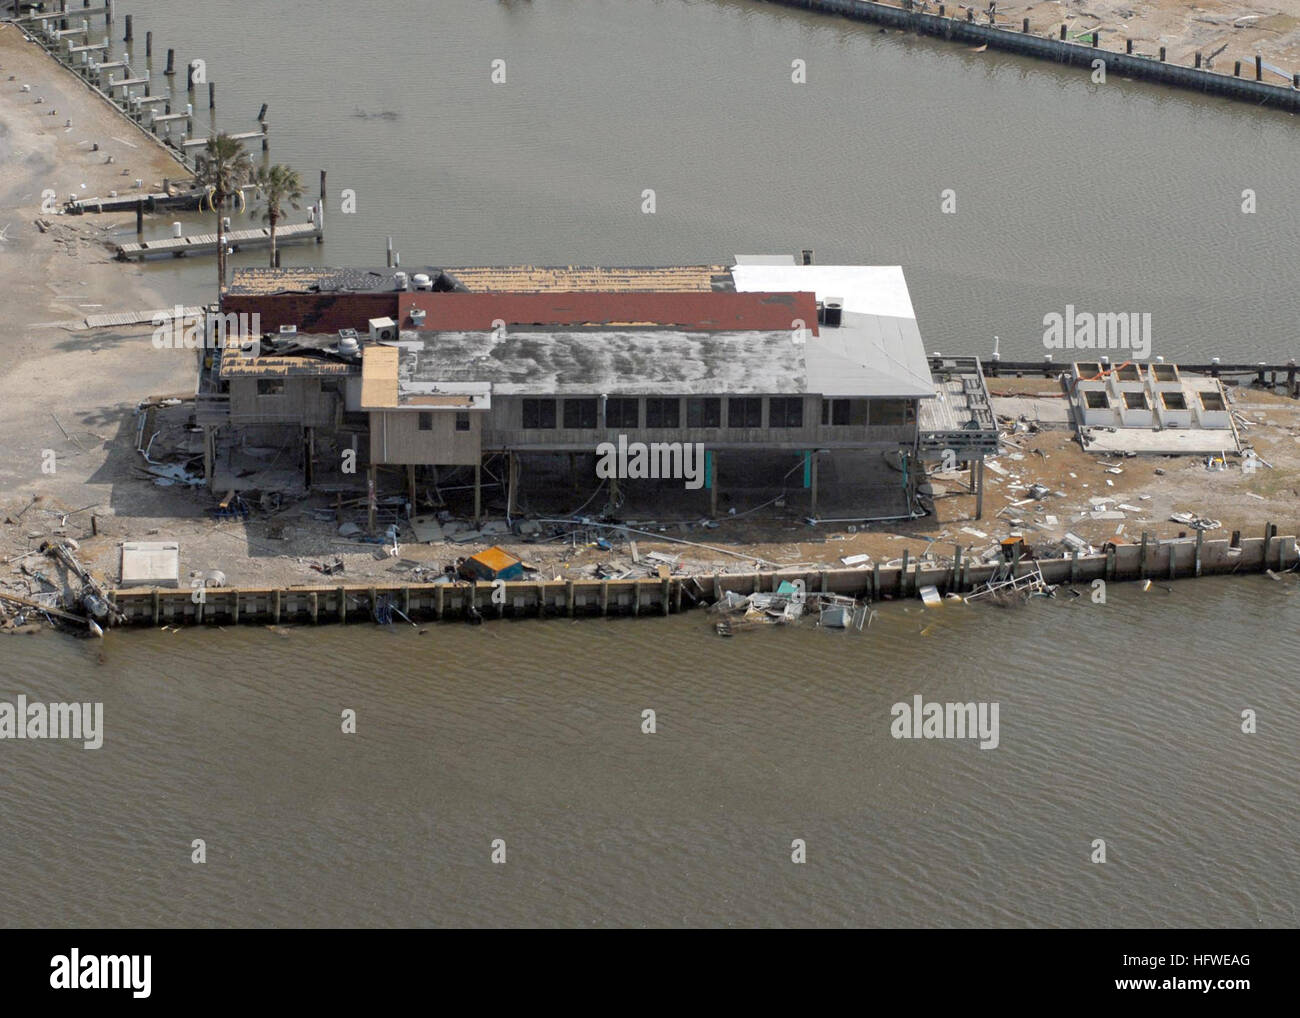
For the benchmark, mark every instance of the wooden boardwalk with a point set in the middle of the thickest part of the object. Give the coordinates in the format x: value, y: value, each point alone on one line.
x: 206, y: 243
x: 137, y: 317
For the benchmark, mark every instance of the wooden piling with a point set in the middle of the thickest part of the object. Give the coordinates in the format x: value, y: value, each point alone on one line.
x: 148, y: 44
x: 212, y: 95
x: 342, y: 595
x: 127, y: 36
x: 171, y: 63
x: 1200, y: 538
x: 1142, y: 558
x: 568, y: 598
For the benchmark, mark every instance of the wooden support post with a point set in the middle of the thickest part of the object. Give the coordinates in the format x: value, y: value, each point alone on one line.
x: 212, y: 95
x: 875, y: 581
x: 677, y: 596
x: 234, y: 607
x: 439, y: 600
x: 541, y: 600
x: 712, y: 456
x: 1074, y: 565
x: 667, y: 584
x: 812, y: 477
x: 157, y: 606
x: 636, y: 598
x: 568, y: 598
x: 956, y: 569
x: 1269, y: 531
x: 1062, y: 33
x: 139, y: 219
x: 1162, y: 54
x: 902, y: 576
x: 410, y: 485
x: 1173, y: 560
x: 1142, y: 559
x: 148, y: 44
x: 604, y: 598
x: 510, y: 485
x: 406, y: 599
x: 275, y: 607
x: 1259, y: 67
x: 478, y: 492
x: 127, y: 36
x: 372, y: 489
x: 343, y: 604
x: 979, y: 488
x: 1110, y: 563
x: 1200, y: 538
x: 315, y: 608
x: 171, y: 62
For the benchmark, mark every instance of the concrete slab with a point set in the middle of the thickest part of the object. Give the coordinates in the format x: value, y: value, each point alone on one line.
x: 1047, y: 412
x: 150, y: 564
x: 1166, y: 442
x: 427, y: 528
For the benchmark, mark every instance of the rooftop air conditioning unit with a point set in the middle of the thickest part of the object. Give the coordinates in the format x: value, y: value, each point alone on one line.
x: 399, y: 280
x: 422, y: 281
x: 418, y: 316
x: 383, y: 330
x: 348, y: 344
x: 834, y: 312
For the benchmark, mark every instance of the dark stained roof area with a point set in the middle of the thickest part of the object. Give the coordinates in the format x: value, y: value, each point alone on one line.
x: 709, y: 311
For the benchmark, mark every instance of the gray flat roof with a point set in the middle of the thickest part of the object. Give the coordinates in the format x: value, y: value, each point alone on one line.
x: 641, y: 362
x: 868, y: 356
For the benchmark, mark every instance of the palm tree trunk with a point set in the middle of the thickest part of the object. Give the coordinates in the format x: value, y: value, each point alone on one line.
x: 273, y: 217
x: 221, y: 247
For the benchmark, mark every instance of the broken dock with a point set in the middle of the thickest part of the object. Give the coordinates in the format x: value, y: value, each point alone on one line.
x: 236, y: 240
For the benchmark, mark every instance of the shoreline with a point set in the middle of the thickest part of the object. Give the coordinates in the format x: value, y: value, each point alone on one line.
x: 69, y: 466
x: 1040, y: 31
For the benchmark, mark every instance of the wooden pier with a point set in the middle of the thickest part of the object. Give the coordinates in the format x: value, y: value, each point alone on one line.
x: 206, y: 243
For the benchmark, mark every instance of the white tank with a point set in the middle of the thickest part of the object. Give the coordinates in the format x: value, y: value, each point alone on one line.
x: 422, y: 281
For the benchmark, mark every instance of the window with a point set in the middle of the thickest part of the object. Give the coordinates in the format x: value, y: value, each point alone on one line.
x: 426, y: 420
x: 704, y: 412
x: 745, y: 412
x: 622, y: 413
x: 887, y: 413
x: 539, y: 413
x: 270, y: 386
x: 580, y: 413
x: 663, y: 413
x: 462, y: 421
x: 835, y: 412
x: 785, y: 412
x: 330, y: 386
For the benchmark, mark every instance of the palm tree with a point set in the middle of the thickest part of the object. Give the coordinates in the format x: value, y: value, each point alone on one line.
x: 224, y: 168
x: 279, y: 185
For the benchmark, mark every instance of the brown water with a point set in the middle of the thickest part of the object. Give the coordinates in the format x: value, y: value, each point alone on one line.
x: 1118, y: 722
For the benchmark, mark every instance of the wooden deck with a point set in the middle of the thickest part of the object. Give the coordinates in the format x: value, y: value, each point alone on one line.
x: 206, y: 243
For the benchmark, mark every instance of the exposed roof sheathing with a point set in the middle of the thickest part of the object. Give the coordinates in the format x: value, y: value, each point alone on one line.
x: 379, y: 377
x: 573, y: 278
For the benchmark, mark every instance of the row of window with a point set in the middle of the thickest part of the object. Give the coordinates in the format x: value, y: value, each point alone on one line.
x: 706, y: 412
